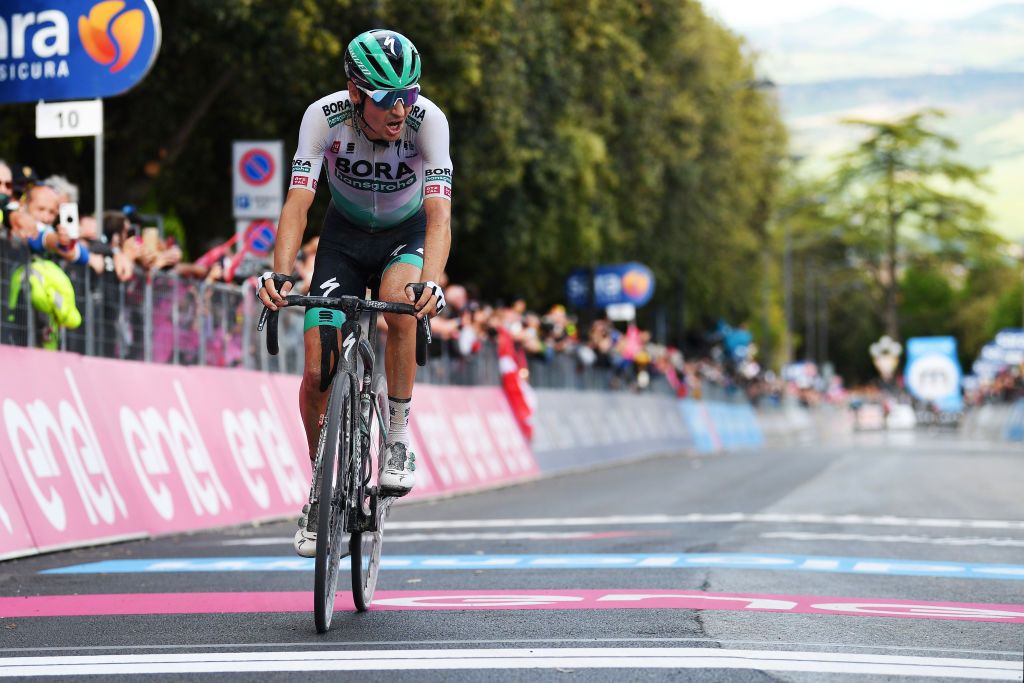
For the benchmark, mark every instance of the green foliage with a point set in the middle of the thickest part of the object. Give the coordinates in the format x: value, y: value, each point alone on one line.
x: 584, y: 132
x: 903, y: 194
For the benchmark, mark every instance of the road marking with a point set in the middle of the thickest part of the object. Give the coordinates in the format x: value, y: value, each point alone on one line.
x: 931, y: 540
x: 716, y: 642
x: 808, y: 563
x: 520, y: 658
x: 241, y: 602
x: 728, y: 518
x: 491, y: 536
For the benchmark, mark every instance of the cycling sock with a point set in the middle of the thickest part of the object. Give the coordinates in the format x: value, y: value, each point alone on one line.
x: 399, y: 426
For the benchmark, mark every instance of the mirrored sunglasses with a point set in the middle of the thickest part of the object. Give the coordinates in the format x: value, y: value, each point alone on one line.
x: 386, y: 99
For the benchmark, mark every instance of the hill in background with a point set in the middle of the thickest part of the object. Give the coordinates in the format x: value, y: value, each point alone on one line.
x: 851, y: 64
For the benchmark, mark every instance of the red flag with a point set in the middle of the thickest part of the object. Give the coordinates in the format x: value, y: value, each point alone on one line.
x: 512, y: 364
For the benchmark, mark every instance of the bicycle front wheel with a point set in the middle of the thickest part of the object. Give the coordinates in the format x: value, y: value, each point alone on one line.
x: 364, y: 546
x: 333, y: 453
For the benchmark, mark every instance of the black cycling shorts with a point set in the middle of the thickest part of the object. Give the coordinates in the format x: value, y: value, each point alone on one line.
x: 349, y: 259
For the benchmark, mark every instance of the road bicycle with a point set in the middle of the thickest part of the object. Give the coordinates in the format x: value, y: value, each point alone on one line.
x: 344, y: 496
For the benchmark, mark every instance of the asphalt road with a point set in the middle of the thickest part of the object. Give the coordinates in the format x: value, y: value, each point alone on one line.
x: 897, y: 558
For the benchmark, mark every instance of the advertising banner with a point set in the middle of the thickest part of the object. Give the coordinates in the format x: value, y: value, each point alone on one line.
x: 95, y: 450
x: 75, y: 49
x: 15, y: 538
x: 933, y: 372
x: 257, y: 178
x: 624, y: 283
x: 59, y: 455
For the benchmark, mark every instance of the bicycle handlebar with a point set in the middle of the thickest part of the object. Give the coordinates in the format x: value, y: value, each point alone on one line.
x: 351, y: 305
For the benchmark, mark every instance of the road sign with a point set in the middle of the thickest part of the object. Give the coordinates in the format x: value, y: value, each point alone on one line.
x: 885, y: 353
x: 933, y: 372
x: 69, y: 119
x: 75, y: 49
x: 257, y: 181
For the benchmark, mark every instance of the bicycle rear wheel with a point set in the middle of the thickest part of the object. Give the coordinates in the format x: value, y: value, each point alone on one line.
x: 364, y: 546
x: 333, y: 455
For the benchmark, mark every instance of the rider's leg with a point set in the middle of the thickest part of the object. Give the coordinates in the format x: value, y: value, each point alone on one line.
x: 400, y: 368
x: 312, y: 394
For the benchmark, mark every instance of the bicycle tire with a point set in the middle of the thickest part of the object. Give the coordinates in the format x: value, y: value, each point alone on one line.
x: 333, y: 457
x: 365, y: 546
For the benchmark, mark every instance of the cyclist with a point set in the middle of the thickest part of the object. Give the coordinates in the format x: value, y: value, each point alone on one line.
x: 389, y: 173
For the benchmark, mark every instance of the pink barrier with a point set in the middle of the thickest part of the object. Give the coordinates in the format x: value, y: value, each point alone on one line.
x: 15, y: 538
x: 98, y: 450
x: 470, y: 437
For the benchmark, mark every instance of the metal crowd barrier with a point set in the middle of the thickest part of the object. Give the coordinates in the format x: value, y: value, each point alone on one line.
x: 163, y: 318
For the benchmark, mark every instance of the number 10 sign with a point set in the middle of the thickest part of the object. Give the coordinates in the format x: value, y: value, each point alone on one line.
x: 82, y: 118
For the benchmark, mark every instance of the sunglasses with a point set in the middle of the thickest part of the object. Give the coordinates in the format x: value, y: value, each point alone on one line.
x: 6, y: 183
x: 386, y: 99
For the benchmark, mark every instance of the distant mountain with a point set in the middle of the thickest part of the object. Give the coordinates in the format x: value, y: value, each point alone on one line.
x: 847, y: 43
x: 851, y: 64
x: 985, y: 114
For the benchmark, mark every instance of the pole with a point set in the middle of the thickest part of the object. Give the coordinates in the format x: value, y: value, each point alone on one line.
x: 787, y: 291
x: 98, y: 165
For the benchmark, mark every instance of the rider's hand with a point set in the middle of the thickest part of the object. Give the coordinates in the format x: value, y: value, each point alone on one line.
x: 431, y: 301
x: 268, y: 291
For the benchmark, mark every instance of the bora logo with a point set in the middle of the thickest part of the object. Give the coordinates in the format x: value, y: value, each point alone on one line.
x: 110, y: 35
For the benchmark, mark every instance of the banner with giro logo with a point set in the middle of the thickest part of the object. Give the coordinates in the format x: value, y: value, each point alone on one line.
x: 75, y: 49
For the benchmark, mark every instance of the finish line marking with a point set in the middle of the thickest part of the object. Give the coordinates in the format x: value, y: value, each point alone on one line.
x: 486, y: 536
x: 491, y: 658
x: 809, y: 563
x: 728, y: 518
x: 240, y: 603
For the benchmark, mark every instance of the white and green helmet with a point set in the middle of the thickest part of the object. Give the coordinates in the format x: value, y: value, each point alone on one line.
x: 382, y: 60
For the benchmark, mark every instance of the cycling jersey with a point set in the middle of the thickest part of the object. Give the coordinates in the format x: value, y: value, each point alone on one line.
x: 375, y: 185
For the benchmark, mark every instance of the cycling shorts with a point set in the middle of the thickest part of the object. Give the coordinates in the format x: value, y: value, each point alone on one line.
x: 349, y: 259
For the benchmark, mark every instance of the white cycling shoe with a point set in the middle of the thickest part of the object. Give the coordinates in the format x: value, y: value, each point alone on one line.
x: 305, y: 540
x: 399, y: 474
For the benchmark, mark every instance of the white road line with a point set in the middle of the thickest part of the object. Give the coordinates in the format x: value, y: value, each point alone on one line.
x: 728, y: 518
x: 930, y: 540
x: 417, y: 538
x: 489, y: 658
x: 507, y: 641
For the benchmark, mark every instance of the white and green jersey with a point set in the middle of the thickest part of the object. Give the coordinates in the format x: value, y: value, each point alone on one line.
x: 375, y: 185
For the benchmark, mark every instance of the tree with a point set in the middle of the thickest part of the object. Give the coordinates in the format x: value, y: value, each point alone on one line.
x: 903, y: 193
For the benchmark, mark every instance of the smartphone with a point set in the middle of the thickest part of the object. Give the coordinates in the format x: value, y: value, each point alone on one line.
x: 69, y: 219
x: 151, y: 239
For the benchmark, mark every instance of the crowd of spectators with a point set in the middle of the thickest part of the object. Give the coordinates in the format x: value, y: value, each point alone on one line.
x: 127, y: 249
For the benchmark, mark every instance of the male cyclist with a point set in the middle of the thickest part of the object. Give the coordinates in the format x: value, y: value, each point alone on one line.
x: 389, y: 173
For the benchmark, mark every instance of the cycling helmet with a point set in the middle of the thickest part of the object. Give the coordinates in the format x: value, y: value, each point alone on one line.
x: 382, y: 60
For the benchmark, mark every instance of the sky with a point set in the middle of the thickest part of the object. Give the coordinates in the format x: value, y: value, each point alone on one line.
x: 742, y: 14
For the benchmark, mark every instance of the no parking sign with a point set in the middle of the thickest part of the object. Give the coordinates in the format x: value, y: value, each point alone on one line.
x: 258, y: 185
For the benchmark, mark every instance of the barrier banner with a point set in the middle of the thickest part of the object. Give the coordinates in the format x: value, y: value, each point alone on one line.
x: 15, y: 538
x: 580, y: 428
x: 466, y: 437
x: 58, y: 452
x: 154, y: 427
x: 96, y: 450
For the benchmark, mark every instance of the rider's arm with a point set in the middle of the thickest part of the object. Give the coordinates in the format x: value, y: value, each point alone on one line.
x: 306, y: 164
x: 438, y: 239
x: 437, y: 190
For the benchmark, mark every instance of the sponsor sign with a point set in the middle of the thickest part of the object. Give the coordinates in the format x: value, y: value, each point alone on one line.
x: 933, y: 372
x: 95, y: 449
x: 75, y: 49
x: 625, y: 283
x: 257, y: 179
